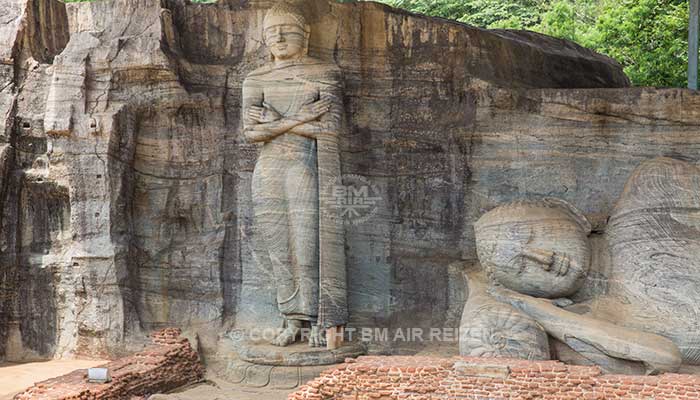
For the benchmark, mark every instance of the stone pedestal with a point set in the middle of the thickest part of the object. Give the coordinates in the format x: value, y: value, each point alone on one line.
x: 261, y: 352
x: 250, y: 365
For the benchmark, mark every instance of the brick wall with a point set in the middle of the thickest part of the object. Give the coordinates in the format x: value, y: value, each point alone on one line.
x: 385, y: 378
x: 168, y: 364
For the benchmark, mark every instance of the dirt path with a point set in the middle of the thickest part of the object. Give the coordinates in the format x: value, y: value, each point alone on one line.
x: 15, y: 378
x: 219, y: 390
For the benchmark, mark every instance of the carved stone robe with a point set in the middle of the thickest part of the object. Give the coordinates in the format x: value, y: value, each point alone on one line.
x: 307, y: 290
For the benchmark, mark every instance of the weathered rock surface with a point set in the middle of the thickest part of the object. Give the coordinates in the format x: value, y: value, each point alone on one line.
x: 126, y: 181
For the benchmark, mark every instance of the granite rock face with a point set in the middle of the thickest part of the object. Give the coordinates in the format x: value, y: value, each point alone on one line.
x: 126, y: 200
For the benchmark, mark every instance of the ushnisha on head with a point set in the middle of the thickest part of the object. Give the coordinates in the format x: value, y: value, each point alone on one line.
x: 286, y: 32
x: 539, y: 247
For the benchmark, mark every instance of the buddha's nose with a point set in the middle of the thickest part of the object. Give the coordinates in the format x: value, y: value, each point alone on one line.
x: 280, y: 36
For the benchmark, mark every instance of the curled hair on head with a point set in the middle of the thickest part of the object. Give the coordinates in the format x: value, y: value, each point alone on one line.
x: 284, y: 8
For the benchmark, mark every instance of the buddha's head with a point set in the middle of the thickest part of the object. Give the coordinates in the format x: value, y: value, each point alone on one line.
x: 286, y: 32
x: 539, y: 248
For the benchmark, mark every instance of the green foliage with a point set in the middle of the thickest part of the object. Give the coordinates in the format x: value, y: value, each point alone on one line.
x: 648, y: 37
x: 511, y: 13
x: 485, y: 13
x: 560, y: 21
x: 81, y: 1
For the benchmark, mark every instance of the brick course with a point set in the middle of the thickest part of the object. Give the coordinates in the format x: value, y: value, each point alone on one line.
x: 413, y: 378
x: 170, y: 363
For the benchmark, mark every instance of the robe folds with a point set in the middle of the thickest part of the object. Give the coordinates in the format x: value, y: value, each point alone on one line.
x: 310, y: 274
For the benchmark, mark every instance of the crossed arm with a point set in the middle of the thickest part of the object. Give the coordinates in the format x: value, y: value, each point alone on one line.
x: 267, y: 123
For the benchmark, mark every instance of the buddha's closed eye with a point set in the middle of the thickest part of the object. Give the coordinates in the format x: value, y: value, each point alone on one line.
x: 550, y: 261
x: 544, y: 257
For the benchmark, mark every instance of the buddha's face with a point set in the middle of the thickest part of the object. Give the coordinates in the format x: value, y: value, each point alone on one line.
x: 285, y: 38
x: 543, y: 257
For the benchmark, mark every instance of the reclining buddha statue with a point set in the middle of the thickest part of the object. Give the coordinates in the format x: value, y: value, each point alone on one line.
x: 536, y: 254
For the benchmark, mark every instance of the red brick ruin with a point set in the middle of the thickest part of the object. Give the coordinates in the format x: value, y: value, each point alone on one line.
x: 414, y: 378
x: 170, y: 363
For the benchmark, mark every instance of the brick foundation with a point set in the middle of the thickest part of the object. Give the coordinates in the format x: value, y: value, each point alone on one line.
x: 167, y: 365
x: 385, y: 378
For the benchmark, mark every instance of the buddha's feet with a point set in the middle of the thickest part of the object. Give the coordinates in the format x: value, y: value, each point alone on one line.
x: 289, y: 335
x: 316, y: 338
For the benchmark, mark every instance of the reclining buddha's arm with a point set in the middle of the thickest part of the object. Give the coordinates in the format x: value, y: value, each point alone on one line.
x: 657, y: 353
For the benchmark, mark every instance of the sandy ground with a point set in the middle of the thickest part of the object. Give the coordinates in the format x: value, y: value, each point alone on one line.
x: 219, y: 390
x: 15, y: 378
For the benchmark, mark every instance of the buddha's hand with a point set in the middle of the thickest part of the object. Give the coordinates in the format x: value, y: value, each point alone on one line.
x: 551, y: 261
x: 313, y: 111
x: 264, y: 114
